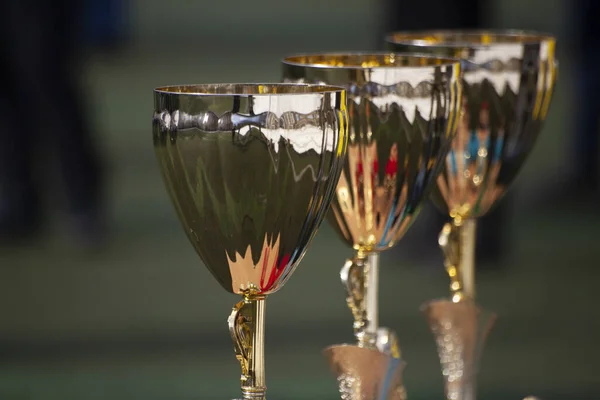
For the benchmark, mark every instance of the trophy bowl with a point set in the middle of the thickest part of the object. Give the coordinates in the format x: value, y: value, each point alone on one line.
x: 251, y: 170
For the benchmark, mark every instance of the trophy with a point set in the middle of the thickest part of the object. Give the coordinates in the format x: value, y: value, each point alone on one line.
x: 508, y: 79
x: 251, y: 170
x: 404, y: 112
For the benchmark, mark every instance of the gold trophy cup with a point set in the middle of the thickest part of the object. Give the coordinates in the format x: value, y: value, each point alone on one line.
x: 404, y: 112
x: 251, y: 170
x: 508, y: 80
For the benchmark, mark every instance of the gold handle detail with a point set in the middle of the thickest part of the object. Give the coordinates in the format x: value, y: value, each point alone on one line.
x: 457, y: 241
x: 246, y: 326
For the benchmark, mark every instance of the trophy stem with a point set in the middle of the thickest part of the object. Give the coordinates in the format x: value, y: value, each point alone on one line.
x: 467, y: 256
x: 457, y: 241
x: 247, y: 328
x: 372, y: 271
x: 360, y: 277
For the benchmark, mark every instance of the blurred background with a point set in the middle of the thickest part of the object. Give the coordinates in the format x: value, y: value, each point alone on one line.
x: 101, y: 295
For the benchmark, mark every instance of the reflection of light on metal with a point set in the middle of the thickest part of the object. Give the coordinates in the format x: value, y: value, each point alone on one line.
x: 509, y: 79
x: 249, y: 221
x: 402, y: 120
x: 412, y: 76
x: 550, y: 78
x: 500, y: 81
x: 410, y: 107
x: 301, y: 103
x: 504, y: 52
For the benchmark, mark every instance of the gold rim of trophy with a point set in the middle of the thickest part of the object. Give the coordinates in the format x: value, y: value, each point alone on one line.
x: 246, y: 89
x: 363, y: 139
x: 476, y: 38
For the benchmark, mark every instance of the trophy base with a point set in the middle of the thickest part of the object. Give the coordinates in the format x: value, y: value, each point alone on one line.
x: 460, y: 330
x: 366, y: 374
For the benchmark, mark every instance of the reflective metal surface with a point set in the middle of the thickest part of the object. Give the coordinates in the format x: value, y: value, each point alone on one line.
x: 247, y: 329
x: 457, y: 241
x: 387, y: 342
x: 403, y: 114
x: 366, y: 374
x: 460, y: 330
x: 360, y: 277
x: 509, y: 79
x: 251, y: 170
x: 508, y: 87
